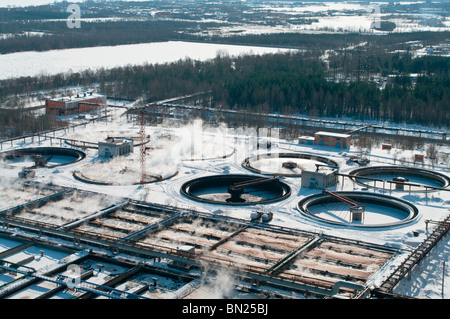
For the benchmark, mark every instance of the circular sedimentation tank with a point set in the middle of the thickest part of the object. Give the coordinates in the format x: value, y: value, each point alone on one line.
x: 48, y: 157
x: 398, y: 178
x: 285, y: 164
x: 122, y: 172
x: 373, y: 210
x: 236, y: 189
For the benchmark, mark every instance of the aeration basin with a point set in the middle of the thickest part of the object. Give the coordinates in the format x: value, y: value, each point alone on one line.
x: 378, y: 210
x: 236, y: 189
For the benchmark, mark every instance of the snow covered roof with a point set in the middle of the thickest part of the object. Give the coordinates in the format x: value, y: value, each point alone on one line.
x: 116, y: 140
x: 333, y: 134
x: 79, y: 97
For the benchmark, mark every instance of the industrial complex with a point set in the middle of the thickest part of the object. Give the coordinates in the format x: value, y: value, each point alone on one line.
x: 119, y: 208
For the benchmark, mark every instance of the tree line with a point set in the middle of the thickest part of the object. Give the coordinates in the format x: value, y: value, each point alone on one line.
x: 56, y: 34
x: 286, y: 83
x: 289, y: 86
x: 14, y: 123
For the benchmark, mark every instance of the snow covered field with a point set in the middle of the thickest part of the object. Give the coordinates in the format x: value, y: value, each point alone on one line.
x: 76, y: 60
x: 424, y: 282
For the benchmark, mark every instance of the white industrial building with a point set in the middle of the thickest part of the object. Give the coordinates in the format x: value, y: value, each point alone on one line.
x: 319, y: 179
x: 115, y: 146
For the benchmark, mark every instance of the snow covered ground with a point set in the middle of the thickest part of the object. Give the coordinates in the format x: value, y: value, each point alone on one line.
x: 52, y: 62
x: 424, y: 282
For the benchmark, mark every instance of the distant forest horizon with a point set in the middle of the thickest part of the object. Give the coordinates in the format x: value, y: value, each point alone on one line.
x: 284, y: 83
x: 349, y: 84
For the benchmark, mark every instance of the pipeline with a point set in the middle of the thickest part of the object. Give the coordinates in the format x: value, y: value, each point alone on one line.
x: 183, y: 291
x: 254, y: 182
x: 340, y: 198
x: 94, y: 216
x: 237, y: 189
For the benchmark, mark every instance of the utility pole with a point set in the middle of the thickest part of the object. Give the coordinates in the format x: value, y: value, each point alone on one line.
x: 142, y: 119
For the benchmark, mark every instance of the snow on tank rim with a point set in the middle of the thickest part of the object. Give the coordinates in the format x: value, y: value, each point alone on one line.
x: 58, y: 151
x: 401, y: 171
x: 411, y: 211
x: 214, y: 180
x: 247, y: 162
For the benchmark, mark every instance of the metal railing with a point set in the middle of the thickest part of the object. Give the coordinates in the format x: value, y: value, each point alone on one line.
x: 416, y: 256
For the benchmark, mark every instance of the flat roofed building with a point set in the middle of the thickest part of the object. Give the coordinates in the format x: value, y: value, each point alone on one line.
x: 81, y: 103
x: 332, y: 139
x: 319, y: 179
x: 115, y: 146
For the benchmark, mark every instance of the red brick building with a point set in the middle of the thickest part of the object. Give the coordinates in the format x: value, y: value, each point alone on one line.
x: 332, y: 139
x: 81, y: 103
